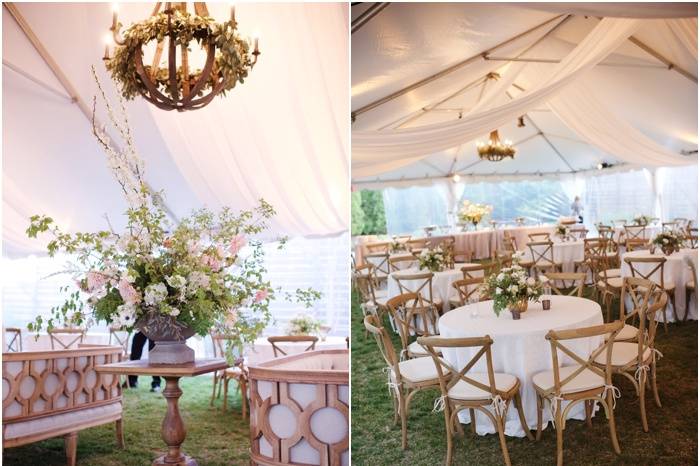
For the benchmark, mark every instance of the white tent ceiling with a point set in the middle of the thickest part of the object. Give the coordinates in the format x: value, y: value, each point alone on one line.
x: 280, y: 136
x: 406, y: 43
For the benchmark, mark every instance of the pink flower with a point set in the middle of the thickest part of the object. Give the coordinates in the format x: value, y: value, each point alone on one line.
x: 237, y: 244
x: 128, y: 292
x: 260, y: 295
x: 95, y: 280
x: 211, y: 262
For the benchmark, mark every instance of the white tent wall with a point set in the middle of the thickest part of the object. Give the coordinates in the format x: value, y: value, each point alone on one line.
x: 279, y: 136
x: 637, y: 88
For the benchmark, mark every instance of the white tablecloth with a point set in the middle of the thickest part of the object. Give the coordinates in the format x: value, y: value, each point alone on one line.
x: 564, y: 252
x: 520, y: 348
x: 442, y: 285
x: 675, y: 271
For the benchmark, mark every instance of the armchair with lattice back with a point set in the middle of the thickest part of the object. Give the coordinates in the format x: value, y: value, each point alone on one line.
x: 652, y: 268
x: 238, y: 372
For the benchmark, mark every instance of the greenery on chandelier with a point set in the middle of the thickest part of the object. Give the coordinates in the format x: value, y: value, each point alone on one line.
x: 232, y: 61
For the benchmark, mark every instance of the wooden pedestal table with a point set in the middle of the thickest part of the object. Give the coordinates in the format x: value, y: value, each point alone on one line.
x: 173, y: 429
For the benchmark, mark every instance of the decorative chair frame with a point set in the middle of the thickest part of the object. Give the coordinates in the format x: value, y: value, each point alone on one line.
x: 223, y: 377
x: 56, y: 333
x: 650, y: 275
x: 576, y: 290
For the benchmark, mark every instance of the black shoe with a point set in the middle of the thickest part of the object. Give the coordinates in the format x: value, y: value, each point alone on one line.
x: 155, y: 389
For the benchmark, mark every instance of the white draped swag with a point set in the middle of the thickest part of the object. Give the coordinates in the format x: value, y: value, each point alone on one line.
x: 586, y: 85
x: 280, y: 136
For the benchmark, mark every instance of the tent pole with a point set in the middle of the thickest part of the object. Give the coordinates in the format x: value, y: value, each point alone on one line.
x: 446, y: 71
x: 662, y: 59
x: 367, y: 16
x: 553, y: 60
x: 63, y: 79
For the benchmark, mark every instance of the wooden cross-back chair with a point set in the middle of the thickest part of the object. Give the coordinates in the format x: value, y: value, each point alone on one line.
x: 635, y: 359
x: 416, y: 244
x: 121, y: 338
x: 502, y: 258
x: 635, y: 232
x: 448, y: 247
x: 467, y: 288
x: 413, y: 317
x: 311, y: 339
x: 538, y: 237
x: 238, y: 372
x: 607, y: 286
x: 636, y: 244
x: 380, y: 261
x: 405, y: 378
x: 509, y: 242
x: 567, y: 284
x: 373, y: 301
x: 420, y: 283
x: 462, y: 389
x: 543, y: 257
x: 579, y: 233
x: 670, y: 226
x: 474, y: 270
x: 13, y: 337
x: 582, y: 382
x: 692, y: 238
x: 605, y: 231
x: 638, y: 292
x: 66, y: 338
x: 402, y: 262
x: 652, y: 268
x: 682, y: 222
x: 380, y: 246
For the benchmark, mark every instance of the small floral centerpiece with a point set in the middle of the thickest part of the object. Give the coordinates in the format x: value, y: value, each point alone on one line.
x: 432, y: 259
x: 304, y: 324
x: 562, y: 231
x: 668, y: 241
x: 397, y: 246
x: 169, y: 281
x: 642, y: 220
x: 474, y: 213
x: 511, y: 288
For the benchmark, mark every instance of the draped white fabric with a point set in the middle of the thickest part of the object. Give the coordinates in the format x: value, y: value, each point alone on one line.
x: 280, y: 136
x: 371, y: 148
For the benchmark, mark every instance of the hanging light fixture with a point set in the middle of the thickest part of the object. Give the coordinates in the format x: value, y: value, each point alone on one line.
x: 495, y: 150
x: 177, y: 84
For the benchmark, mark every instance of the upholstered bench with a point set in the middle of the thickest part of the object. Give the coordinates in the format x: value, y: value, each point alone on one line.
x: 48, y: 394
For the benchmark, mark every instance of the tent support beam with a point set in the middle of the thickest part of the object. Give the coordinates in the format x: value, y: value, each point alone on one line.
x: 63, y: 79
x: 367, y: 16
x: 552, y: 60
x: 446, y: 71
x: 36, y: 81
x: 662, y: 59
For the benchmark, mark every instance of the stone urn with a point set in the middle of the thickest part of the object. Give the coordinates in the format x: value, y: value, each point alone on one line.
x: 169, y: 337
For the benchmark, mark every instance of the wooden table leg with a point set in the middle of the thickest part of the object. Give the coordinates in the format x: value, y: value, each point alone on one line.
x: 173, y: 429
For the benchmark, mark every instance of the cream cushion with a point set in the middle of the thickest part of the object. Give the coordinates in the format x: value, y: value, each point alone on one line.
x: 615, y: 282
x: 627, y: 333
x: 417, y: 370
x: 611, y: 273
x: 415, y: 348
x: 586, y: 380
x: 65, y: 422
x: 623, y: 353
x: 466, y: 391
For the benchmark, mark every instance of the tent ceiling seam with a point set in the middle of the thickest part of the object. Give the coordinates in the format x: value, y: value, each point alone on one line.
x: 36, y: 80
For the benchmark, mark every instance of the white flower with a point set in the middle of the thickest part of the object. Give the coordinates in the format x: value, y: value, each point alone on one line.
x: 544, y: 279
x: 531, y: 281
x: 498, y: 291
x: 126, y: 316
x: 176, y: 281
x: 155, y: 293
x: 513, y: 289
x: 197, y: 280
x: 131, y: 276
x: 500, y: 276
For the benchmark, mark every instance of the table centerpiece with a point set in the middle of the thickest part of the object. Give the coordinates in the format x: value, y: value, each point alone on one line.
x: 512, y: 289
x: 668, y: 241
x: 434, y: 260
x: 562, y: 231
x: 642, y: 220
x: 474, y: 213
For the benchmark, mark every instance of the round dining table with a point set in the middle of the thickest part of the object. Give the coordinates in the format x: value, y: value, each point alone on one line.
x: 676, y: 271
x: 567, y: 253
x: 520, y: 349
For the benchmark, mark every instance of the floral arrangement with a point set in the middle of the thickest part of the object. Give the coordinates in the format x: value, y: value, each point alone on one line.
x: 562, y: 231
x: 432, y: 259
x: 669, y: 240
x: 304, y: 324
x: 474, y: 213
x: 642, y: 220
x: 511, y: 286
x: 203, y: 273
x: 397, y: 246
x: 232, y: 58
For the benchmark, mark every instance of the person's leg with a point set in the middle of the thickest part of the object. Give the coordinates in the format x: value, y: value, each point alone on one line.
x: 137, y: 344
x: 155, y: 382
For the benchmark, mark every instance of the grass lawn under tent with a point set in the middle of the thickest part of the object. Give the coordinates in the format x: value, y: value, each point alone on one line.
x: 214, y: 438
x: 671, y: 440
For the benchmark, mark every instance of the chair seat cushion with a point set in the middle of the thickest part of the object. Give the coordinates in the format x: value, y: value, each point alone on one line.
x: 417, y: 370
x: 75, y: 420
x: 586, y: 380
x: 466, y: 391
x: 611, y: 273
x: 615, y: 282
x: 628, y: 332
x: 379, y: 293
x: 623, y: 354
x: 545, y: 264
x: 416, y: 349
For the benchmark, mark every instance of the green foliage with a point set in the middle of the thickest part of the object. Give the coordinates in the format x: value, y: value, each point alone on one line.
x: 368, y: 216
x: 232, y: 61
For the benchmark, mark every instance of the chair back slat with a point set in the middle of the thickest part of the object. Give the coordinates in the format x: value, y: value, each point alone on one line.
x: 311, y: 339
x: 120, y: 337
x: 560, y: 283
x: 402, y: 262
x: 474, y: 271
x: 66, y: 338
x: 655, y: 272
x: 14, y: 340
x: 380, y: 260
x: 386, y: 347
x: 412, y: 317
x: 542, y: 251
x: 467, y: 287
x: 538, y: 237
x: 420, y: 283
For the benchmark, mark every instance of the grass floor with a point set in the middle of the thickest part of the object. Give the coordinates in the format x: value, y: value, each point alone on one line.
x: 671, y: 440
x: 214, y: 438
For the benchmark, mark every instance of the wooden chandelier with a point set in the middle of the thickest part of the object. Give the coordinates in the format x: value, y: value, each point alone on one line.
x: 495, y: 150
x: 175, y: 87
